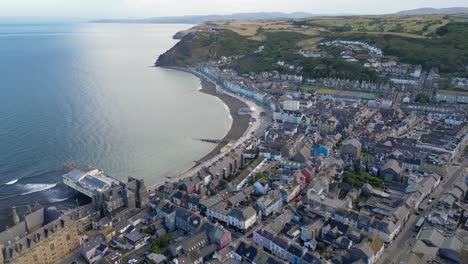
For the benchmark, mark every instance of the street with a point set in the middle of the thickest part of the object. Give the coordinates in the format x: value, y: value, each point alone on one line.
x: 398, y: 250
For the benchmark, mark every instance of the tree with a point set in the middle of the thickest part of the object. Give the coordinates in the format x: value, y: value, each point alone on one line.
x: 161, y: 243
x: 321, y: 246
x: 421, y: 98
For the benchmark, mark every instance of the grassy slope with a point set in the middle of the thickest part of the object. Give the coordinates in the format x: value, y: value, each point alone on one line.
x: 414, y: 39
x: 197, y: 47
x: 448, y: 50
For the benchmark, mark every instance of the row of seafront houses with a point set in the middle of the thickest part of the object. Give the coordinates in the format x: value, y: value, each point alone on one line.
x: 237, y: 87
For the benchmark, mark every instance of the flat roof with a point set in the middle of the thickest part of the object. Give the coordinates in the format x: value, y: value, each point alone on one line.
x: 93, y: 180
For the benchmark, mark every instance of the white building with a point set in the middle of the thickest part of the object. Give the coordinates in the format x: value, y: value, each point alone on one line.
x: 291, y: 105
x: 242, y: 218
x: 452, y: 97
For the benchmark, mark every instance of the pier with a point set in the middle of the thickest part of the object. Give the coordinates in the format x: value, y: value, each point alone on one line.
x: 214, y: 141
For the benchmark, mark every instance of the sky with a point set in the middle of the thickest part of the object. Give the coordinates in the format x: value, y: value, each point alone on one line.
x: 96, y: 9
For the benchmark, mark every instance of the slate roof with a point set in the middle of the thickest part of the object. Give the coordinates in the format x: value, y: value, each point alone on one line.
x: 183, y: 213
x: 280, y: 242
x: 249, y: 190
x: 193, y: 242
x: 215, y: 233
x: 364, y: 247
x: 237, y: 198
x: 392, y: 164
x: 168, y: 208
x: 211, y: 201
x: 93, y: 242
x: 243, y: 214
x: 264, y: 233
x: 401, y: 212
x: 134, y: 236
x: 343, y: 242
x: 354, y: 142
x: 194, y: 200
x: 295, y: 250
x: 311, y: 258
x: 436, y: 237
x: 432, y: 236
x: 207, y: 251
x: 248, y: 252
x: 178, y: 195
x: 334, y: 224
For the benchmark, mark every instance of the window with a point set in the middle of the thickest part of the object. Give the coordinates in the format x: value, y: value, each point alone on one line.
x: 68, y: 237
x: 52, y: 246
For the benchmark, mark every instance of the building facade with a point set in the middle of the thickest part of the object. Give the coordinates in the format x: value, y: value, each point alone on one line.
x: 36, y: 241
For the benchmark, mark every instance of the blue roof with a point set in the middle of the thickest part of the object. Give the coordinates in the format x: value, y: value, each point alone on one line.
x: 320, y: 150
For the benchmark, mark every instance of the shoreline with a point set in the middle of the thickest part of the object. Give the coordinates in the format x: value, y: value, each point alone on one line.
x: 239, y: 125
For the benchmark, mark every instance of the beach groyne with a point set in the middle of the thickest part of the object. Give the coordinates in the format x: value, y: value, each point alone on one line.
x: 239, y: 125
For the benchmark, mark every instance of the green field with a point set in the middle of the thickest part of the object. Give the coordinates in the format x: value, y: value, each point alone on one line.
x: 432, y: 41
x: 409, y: 26
x: 344, y: 93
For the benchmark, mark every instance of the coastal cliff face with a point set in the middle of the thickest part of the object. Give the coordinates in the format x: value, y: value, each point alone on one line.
x: 180, y: 54
x: 201, y: 46
x: 183, y: 33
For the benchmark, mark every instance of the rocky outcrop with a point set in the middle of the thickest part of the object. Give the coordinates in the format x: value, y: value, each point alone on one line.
x: 177, y: 55
x: 166, y: 60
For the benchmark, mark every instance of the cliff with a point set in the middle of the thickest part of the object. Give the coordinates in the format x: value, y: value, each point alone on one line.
x: 201, y: 46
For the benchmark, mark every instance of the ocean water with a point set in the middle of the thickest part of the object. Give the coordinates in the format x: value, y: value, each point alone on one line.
x: 88, y: 94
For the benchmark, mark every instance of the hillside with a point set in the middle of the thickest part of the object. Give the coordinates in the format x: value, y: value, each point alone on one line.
x: 433, y: 40
x: 202, y: 46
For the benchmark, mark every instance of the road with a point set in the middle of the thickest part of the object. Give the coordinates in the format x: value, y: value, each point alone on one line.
x: 398, y: 250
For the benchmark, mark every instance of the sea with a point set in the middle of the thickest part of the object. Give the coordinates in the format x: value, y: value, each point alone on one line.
x: 89, y: 94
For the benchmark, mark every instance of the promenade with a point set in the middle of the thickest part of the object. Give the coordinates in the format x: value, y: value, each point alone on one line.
x: 252, y: 128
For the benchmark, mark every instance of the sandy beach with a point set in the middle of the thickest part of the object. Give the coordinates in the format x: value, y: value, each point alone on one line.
x: 239, y: 123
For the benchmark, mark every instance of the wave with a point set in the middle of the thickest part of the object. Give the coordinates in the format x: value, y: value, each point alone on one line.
x: 34, y: 188
x: 29, y: 189
x: 12, y: 182
x: 58, y: 200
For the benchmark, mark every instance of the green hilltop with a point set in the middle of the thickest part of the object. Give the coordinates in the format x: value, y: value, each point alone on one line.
x: 430, y: 40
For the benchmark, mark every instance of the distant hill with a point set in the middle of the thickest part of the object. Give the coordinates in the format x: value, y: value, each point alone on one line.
x: 203, y: 19
x: 434, y: 11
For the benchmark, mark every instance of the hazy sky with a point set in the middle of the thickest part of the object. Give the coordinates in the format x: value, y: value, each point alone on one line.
x: 146, y: 8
